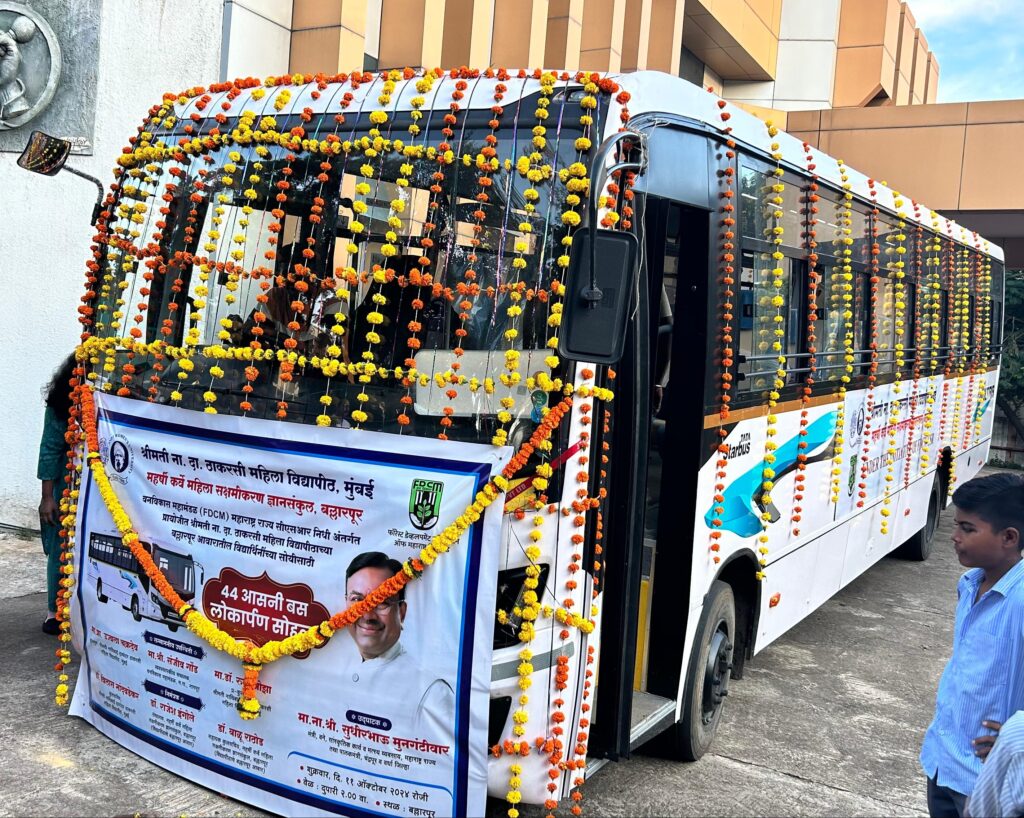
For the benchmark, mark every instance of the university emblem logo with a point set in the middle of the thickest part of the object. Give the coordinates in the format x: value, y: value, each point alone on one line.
x: 425, y: 503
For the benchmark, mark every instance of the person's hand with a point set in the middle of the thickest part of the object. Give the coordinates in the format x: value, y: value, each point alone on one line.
x: 10, y: 58
x: 48, y: 511
x: 983, y: 744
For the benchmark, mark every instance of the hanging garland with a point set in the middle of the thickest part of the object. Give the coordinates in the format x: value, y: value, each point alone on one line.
x: 813, y: 282
x: 244, y: 650
x: 727, y: 260
x: 896, y: 269
x: 841, y: 280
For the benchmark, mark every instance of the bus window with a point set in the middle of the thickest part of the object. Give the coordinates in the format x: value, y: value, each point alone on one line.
x: 757, y: 214
x: 884, y: 324
x: 758, y: 324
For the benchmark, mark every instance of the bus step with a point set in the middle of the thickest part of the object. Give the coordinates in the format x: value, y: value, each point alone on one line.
x: 651, y: 714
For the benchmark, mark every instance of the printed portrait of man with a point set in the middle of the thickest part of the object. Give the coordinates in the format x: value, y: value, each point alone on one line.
x: 383, y: 667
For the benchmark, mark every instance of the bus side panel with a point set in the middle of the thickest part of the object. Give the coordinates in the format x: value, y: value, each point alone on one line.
x: 911, y: 510
x: 866, y: 544
x: 788, y: 596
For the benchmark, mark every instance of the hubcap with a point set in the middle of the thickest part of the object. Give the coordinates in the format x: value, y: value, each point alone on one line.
x: 716, y: 674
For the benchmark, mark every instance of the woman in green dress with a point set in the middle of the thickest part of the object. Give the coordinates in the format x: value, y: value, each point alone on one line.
x: 53, y: 458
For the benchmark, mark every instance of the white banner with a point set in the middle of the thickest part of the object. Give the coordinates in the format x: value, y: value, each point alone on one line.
x: 269, y: 528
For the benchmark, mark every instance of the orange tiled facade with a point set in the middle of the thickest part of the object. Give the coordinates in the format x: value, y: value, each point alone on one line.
x: 756, y: 52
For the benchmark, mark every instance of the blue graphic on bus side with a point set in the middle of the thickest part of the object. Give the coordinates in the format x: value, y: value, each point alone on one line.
x: 979, y: 413
x: 738, y: 514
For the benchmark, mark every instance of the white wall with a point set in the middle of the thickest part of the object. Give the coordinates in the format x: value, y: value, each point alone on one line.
x: 259, y: 34
x: 806, y: 64
x: 146, y: 48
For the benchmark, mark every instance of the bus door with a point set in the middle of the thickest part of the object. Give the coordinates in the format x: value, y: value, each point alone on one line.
x: 677, y: 271
x: 655, y: 450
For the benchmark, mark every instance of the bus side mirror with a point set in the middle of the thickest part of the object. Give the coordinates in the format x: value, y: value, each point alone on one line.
x: 597, y: 299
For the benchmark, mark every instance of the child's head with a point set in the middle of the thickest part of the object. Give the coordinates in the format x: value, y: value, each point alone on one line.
x: 989, y: 521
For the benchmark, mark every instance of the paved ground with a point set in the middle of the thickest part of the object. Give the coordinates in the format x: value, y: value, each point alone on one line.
x: 828, y: 720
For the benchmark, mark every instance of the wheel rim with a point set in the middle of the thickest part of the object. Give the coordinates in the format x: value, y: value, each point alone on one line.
x: 716, y: 673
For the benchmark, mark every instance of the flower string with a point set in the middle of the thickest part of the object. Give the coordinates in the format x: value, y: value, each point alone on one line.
x: 872, y: 378
x: 813, y: 282
x: 727, y: 280
x: 773, y: 304
x: 915, y: 394
x: 317, y: 635
x: 896, y: 250
x: 841, y: 281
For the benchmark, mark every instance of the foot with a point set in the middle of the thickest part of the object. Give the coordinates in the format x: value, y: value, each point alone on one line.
x: 51, y: 626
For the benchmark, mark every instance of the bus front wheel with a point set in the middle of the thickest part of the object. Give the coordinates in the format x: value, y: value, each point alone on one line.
x: 99, y: 591
x: 135, y: 609
x: 707, y: 680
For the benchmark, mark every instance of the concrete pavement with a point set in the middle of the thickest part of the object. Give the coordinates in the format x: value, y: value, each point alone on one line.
x: 827, y: 721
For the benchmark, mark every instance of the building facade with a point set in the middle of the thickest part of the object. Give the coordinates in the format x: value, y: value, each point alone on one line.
x: 855, y: 77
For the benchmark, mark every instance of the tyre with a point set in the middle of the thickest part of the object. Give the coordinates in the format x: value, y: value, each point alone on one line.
x: 707, y: 679
x: 135, y: 609
x: 919, y: 546
x: 172, y: 628
x: 99, y: 591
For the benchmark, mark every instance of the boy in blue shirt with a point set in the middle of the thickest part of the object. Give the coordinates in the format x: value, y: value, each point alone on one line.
x: 983, y: 683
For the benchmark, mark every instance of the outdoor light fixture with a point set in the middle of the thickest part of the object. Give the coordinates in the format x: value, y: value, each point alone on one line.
x: 47, y: 155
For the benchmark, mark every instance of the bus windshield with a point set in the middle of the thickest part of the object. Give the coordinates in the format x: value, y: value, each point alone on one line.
x: 178, y: 568
x: 434, y: 251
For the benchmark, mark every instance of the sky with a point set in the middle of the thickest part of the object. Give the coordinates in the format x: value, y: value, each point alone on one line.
x: 979, y: 45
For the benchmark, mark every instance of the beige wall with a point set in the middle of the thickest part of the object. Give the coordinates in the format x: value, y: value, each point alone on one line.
x: 883, y: 56
x: 954, y: 157
x: 919, y: 71
x: 866, y: 63
x: 598, y: 35
x: 805, y: 66
x: 737, y: 39
x: 328, y: 35
x: 780, y: 54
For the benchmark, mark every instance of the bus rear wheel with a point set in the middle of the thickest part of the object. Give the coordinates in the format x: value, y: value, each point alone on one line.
x: 707, y: 680
x: 102, y: 597
x: 135, y: 609
x: 919, y: 546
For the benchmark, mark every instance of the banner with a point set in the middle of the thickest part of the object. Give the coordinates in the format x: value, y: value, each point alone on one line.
x: 269, y: 528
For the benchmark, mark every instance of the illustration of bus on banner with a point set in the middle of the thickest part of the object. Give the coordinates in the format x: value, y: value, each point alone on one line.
x: 116, y: 575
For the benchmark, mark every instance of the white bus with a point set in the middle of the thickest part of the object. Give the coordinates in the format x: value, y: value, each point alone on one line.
x: 804, y: 364
x: 116, y: 575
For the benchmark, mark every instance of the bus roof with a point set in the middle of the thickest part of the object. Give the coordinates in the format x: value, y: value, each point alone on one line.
x: 649, y: 92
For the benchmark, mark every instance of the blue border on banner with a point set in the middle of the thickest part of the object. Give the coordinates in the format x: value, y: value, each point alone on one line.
x: 481, y: 471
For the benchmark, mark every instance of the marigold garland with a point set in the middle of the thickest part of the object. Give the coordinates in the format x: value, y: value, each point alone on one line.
x: 841, y: 279
x: 896, y: 267
x: 726, y: 265
x: 773, y: 305
x: 315, y: 636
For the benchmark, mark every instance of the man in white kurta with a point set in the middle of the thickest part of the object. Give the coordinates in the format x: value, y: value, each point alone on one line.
x: 381, y: 672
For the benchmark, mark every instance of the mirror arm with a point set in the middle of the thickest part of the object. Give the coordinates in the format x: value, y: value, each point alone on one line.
x: 593, y: 295
x: 98, y: 207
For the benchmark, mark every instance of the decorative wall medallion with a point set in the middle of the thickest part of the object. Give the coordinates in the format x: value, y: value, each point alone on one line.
x: 30, y: 64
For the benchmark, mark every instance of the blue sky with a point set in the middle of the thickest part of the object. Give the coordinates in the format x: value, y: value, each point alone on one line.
x: 979, y: 45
